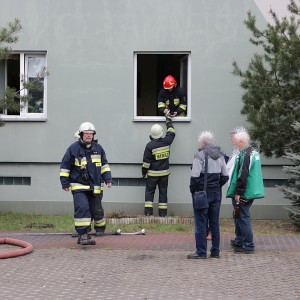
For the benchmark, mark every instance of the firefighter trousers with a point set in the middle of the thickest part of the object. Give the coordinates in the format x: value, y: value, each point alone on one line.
x: 87, y: 208
x: 151, y: 183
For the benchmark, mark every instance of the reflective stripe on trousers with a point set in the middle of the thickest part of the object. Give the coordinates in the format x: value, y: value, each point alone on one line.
x: 88, y: 207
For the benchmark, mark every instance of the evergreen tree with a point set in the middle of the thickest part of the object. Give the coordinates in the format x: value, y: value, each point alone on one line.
x: 292, y: 191
x: 271, y: 101
x: 11, y: 99
x: 8, y: 36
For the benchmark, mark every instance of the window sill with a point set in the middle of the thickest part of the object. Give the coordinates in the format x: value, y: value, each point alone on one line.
x: 159, y: 119
x: 22, y: 119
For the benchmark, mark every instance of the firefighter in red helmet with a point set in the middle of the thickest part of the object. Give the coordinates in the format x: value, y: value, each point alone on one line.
x: 171, y: 98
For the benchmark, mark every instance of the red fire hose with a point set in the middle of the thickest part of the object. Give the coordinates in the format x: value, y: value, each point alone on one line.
x: 26, y: 248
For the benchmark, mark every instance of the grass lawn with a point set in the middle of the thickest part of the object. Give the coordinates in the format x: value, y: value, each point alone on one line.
x: 47, y: 223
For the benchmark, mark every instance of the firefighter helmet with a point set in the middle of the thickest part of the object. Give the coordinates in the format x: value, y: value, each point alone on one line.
x: 156, y: 131
x: 169, y: 82
x: 76, y: 135
x: 86, y: 126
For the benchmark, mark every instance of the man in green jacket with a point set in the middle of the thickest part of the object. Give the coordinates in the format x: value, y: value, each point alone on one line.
x: 246, y: 184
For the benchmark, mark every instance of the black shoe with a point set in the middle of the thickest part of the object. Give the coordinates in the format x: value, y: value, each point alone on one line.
x: 162, y: 215
x: 243, y: 250
x: 148, y: 215
x: 234, y: 244
x: 195, y: 256
x: 214, y: 256
x: 85, y: 239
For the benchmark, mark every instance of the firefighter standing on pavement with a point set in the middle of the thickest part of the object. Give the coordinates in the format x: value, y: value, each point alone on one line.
x: 171, y: 98
x: 84, y: 170
x: 156, y: 167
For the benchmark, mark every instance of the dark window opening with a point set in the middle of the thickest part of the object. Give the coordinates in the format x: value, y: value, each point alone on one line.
x: 151, y: 71
x: 13, y: 81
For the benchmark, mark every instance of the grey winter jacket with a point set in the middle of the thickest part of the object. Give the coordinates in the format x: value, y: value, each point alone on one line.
x: 217, y: 174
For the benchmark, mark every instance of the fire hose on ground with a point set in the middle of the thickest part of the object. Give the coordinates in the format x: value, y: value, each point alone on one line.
x: 26, y: 248
x: 118, y: 232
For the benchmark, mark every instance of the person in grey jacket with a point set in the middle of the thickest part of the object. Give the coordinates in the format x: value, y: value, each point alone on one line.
x: 217, y: 176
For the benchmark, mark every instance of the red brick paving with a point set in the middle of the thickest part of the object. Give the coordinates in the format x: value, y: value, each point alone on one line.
x: 153, y: 241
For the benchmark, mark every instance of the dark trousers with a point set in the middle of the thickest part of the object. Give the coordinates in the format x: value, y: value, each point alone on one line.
x: 243, y: 228
x: 210, y: 215
x: 151, y: 183
x: 88, y: 207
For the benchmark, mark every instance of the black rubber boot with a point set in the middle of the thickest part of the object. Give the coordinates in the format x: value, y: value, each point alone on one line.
x: 162, y: 212
x: 148, y: 211
x: 99, y: 231
x: 85, y: 239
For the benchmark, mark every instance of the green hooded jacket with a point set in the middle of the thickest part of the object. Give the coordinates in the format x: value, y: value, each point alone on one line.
x: 247, y: 179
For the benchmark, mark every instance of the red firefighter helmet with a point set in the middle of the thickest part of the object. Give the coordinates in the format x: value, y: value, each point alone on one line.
x: 169, y: 82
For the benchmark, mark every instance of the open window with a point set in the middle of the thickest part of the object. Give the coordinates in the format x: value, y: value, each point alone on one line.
x: 150, y: 69
x: 20, y: 68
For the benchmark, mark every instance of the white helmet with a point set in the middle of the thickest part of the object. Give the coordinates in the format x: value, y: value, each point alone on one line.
x: 76, y: 135
x: 156, y: 131
x: 86, y: 126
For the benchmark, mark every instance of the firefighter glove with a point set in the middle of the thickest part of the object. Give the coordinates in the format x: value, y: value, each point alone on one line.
x: 144, y: 172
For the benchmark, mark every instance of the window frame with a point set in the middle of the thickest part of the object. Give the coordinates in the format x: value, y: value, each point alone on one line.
x: 137, y: 118
x: 24, y: 114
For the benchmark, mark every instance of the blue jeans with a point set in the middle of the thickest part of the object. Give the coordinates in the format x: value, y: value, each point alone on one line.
x: 210, y: 214
x: 243, y: 228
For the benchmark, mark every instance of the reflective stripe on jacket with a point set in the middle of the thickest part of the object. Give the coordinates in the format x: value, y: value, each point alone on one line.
x: 85, y: 169
x: 157, y: 153
x: 174, y: 100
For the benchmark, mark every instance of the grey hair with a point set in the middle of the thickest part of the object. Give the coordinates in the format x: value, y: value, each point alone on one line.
x: 242, y: 136
x: 207, y: 137
x: 238, y: 129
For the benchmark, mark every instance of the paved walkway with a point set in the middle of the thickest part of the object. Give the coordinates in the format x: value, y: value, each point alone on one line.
x: 151, y: 266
